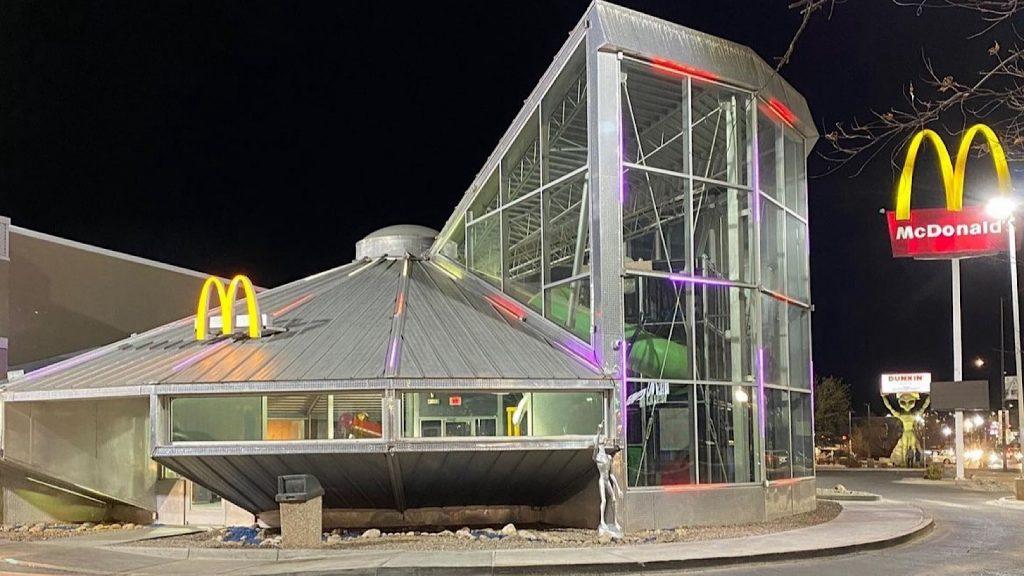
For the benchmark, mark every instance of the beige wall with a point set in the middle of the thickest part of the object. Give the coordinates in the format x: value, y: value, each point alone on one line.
x: 99, y: 445
x: 65, y: 296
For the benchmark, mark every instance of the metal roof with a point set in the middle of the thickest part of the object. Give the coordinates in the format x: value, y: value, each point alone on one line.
x: 338, y: 326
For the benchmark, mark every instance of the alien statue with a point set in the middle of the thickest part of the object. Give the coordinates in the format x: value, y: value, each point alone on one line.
x: 908, y: 445
x: 607, y: 486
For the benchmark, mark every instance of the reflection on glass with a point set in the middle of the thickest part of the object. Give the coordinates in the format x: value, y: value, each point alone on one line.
x: 567, y: 228
x: 768, y: 141
x: 797, y: 283
x: 485, y: 249
x: 725, y: 429
x: 522, y: 223
x: 564, y: 110
x: 773, y: 246
x: 654, y: 118
x: 777, y: 449
x: 659, y: 434
x: 657, y: 327
x: 487, y: 199
x: 445, y: 414
x: 721, y: 133
x: 725, y: 332
x: 654, y: 222
x: 799, y: 337
x: 796, y: 177
x: 277, y: 417
x: 455, y: 246
x: 803, y: 435
x: 722, y: 233
x: 520, y: 168
x: 568, y: 305
x: 774, y: 329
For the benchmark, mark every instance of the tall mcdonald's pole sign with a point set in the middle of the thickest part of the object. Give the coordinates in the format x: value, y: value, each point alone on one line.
x: 226, y: 297
x: 956, y: 231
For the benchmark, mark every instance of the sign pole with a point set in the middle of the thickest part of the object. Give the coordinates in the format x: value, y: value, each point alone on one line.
x: 958, y: 366
x: 1011, y: 234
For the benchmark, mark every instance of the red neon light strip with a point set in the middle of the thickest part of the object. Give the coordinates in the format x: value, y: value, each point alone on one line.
x: 504, y: 305
x: 782, y: 110
x: 671, y: 66
x: 292, y: 306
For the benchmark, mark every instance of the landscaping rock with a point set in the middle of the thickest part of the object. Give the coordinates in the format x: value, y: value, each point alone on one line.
x: 371, y: 533
x: 509, y: 529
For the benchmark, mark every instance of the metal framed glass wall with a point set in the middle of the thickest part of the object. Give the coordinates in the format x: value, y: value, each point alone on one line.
x: 715, y: 283
x: 527, y: 231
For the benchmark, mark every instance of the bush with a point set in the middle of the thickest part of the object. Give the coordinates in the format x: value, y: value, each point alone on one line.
x: 934, y: 471
x: 853, y: 463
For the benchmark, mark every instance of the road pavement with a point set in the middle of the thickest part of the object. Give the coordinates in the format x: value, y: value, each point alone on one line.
x: 970, y: 537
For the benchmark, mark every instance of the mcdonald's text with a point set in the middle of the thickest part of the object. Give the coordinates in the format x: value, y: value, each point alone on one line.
x: 939, y: 233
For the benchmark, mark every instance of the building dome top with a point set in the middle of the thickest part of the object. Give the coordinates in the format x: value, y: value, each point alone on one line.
x: 396, y: 241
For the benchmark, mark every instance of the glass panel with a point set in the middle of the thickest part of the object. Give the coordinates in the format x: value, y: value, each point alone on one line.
x: 721, y: 133
x: 485, y: 249
x: 777, y: 454
x: 203, y: 497
x: 569, y: 306
x: 725, y: 332
x: 803, y: 435
x: 799, y: 335
x: 659, y: 434
x: 566, y: 215
x: 207, y: 419
x: 654, y: 117
x: 520, y: 168
x: 722, y: 233
x: 797, y: 283
x: 288, y: 417
x: 657, y: 329
x: 796, y: 176
x: 776, y: 344
x: 506, y: 414
x: 522, y: 221
x: 725, y: 430
x: 773, y: 248
x: 358, y: 415
x: 565, y: 120
x: 654, y: 222
x: 486, y: 200
x: 455, y: 246
x: 768, y: 133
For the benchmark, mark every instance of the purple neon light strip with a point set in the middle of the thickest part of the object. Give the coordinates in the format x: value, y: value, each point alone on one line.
x: 393, y: 353
x: 623, y: 393
x: 206, y: 351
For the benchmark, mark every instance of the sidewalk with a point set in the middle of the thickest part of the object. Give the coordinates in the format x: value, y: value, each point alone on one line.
x: 860, y: 526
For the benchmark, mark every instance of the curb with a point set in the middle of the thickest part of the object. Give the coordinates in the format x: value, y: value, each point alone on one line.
x: 853, y: 497
x: 616, y: 564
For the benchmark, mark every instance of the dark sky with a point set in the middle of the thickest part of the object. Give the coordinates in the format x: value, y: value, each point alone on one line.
x: 267, y: 137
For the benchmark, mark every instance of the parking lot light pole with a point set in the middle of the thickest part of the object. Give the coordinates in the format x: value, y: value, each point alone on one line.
x: 1003, y: 208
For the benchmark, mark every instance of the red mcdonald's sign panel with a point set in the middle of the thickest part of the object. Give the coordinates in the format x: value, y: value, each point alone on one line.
x: 939, y: 233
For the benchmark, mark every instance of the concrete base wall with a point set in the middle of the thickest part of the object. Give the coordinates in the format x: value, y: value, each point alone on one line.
x: 24, y: 501
x: 448, y: 516
x: 709, y: 505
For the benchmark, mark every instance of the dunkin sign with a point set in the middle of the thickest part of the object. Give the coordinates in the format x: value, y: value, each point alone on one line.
x: 956, y: 231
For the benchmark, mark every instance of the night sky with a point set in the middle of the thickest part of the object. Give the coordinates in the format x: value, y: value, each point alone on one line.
x: 267, y: 138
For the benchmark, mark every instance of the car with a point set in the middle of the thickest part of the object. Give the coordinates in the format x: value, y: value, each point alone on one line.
x: 943, y: 456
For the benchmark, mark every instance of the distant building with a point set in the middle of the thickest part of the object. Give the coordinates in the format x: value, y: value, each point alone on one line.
x: 632, y: 257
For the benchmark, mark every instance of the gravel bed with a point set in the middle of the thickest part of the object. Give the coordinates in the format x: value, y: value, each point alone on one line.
x: 504, y: 538
x: 54, y: 530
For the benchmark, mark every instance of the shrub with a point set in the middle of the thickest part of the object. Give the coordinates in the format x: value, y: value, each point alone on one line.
x: 853, y: 463
x: 934, y: 471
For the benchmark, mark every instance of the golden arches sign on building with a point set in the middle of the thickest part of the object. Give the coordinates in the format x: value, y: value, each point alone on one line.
x: 956, y: 231
x: 226, y: 296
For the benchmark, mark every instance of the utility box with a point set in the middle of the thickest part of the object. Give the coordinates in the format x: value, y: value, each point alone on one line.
x: 300, y: 497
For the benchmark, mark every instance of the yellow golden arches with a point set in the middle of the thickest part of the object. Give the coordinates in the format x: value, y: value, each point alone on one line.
x: 907, y: 176
x: 952, y: 178
x: 226, y: 298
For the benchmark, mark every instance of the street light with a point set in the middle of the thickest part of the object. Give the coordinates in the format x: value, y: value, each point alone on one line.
x: 1003, y: 208
x: 946, y: 431
x: 979, y: 362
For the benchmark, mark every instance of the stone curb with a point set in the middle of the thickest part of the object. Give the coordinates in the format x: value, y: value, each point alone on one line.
x: 615, y: 560
x: 855, y: 497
